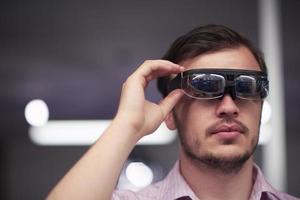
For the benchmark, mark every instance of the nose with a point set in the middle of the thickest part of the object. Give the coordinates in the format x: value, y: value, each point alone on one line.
x: 227, y: 107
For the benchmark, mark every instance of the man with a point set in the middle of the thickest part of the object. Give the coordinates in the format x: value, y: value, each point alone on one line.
x: 214, y: 82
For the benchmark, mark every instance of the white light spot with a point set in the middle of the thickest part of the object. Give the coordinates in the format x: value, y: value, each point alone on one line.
x: 139, y: 174
x: 266, y: 112
x: 37, y: 112
x: 86, y: 132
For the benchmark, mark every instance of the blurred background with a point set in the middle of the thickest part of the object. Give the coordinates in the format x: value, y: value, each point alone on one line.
x: 75, y: 55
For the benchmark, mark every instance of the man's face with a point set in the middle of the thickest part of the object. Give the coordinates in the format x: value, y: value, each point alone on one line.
x: 225, y: 129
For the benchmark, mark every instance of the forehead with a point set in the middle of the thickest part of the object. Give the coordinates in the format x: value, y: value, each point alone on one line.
x: 237, y: 58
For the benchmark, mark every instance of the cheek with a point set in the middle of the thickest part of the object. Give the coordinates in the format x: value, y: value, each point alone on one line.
x: 251, y: 114
x: 192, y: 118
x: 255, y: 111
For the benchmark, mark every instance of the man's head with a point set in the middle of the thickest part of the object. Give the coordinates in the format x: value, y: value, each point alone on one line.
x: 220, y: 133
x: 203, y: 40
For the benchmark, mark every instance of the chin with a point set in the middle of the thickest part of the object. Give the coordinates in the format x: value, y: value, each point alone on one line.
x: 229, y: 151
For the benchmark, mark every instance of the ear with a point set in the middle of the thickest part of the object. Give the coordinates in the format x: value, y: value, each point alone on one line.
x: 170, y: 121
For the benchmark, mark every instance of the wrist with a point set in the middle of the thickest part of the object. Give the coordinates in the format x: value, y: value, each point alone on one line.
x: 128, y: 129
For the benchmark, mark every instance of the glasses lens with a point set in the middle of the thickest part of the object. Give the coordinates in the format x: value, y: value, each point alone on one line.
x: 248, y: 87
x: 203, y: 86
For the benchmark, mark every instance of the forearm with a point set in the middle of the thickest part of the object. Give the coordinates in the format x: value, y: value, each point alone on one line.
x: 95, y: 175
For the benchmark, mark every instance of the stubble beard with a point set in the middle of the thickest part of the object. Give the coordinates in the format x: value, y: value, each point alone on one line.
x: 222, y: 164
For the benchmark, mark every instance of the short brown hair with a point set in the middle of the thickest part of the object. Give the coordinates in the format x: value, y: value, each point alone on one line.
x: 206, y: 39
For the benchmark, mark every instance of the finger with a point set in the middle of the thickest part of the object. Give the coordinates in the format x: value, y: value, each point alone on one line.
x: 168, y: 103
x: 152, y: 69
x: 162, y: 72
x: 150, y: 65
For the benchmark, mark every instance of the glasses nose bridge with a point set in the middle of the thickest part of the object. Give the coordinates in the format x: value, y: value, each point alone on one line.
x: 229, y: 87
x: 227, y: 106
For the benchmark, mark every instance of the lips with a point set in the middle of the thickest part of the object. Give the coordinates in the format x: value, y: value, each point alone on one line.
x: 228, y: 131
x: 228, y: 128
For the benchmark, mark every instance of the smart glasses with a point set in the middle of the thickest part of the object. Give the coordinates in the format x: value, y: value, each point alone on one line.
x: 212, y: 83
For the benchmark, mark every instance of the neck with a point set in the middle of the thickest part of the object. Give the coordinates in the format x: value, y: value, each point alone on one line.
x: 212, y: 184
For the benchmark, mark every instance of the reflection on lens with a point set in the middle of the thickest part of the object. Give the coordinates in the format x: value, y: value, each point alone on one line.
x: 206, y: 86
x: 245, y: 87
x: 206, y: 83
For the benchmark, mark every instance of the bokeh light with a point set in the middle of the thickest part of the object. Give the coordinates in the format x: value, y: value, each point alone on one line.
x: 37, y: 112
x: 139, y: 174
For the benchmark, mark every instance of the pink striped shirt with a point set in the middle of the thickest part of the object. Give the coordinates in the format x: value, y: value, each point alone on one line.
x: 174, y: 187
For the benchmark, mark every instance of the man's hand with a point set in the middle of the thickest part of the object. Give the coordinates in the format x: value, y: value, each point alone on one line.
x: 95, y: 175
x: 137, y: 113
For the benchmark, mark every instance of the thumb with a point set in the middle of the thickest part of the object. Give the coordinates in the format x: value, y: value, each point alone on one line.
x: 168, y: 103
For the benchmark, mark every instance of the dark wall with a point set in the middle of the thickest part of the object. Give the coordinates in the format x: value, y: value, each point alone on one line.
x: 291, y: 46
x: 75, y: 56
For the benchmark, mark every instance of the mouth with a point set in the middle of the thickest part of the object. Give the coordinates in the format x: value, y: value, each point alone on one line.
x: 228, y: 131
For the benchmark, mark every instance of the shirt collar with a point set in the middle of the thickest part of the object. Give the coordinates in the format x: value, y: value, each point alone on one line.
x: 175, y: 187
x: 261, y: 186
